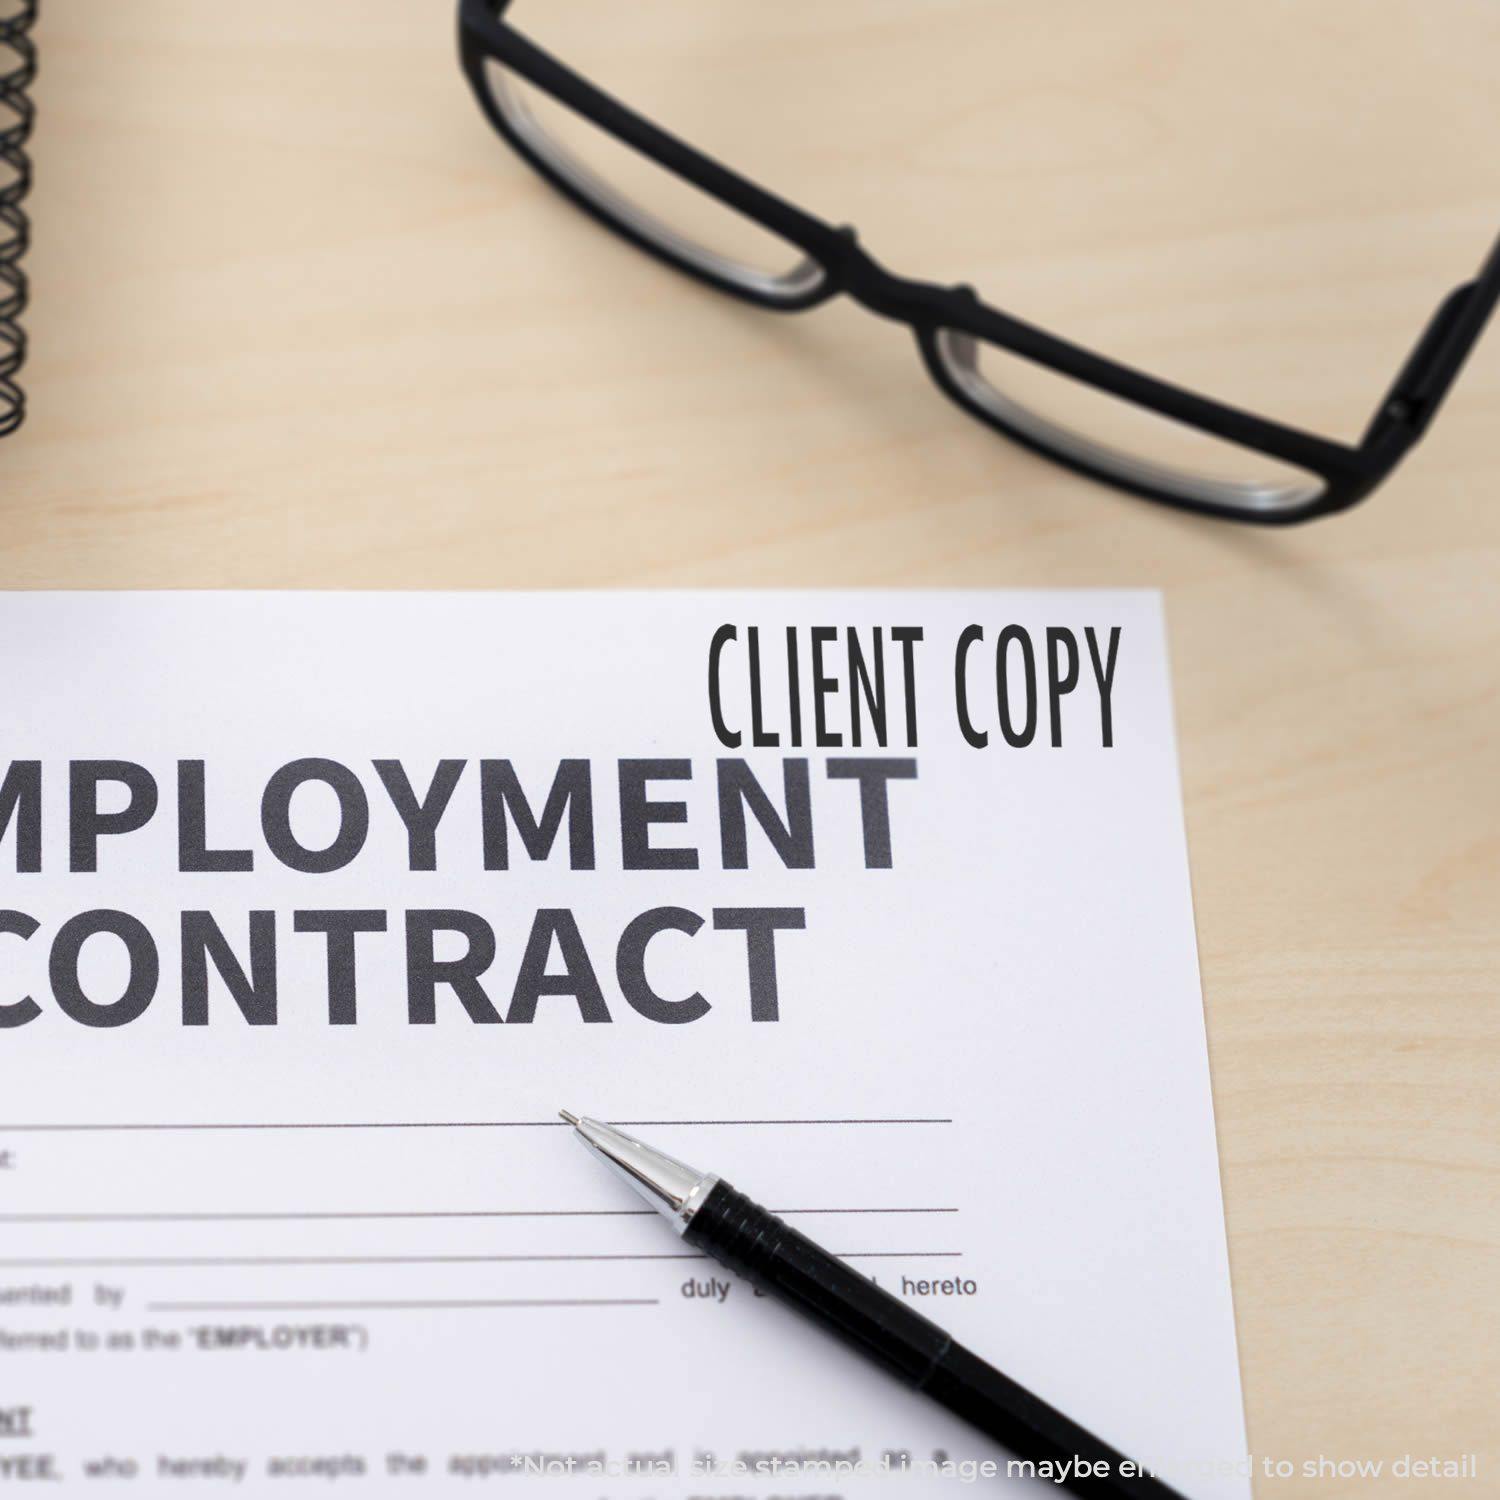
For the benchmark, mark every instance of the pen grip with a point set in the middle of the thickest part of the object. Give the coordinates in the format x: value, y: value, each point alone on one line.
x: 787, y: 1265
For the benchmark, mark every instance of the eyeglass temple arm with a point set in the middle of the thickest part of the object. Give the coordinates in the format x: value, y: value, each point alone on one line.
x: 1433, y: 365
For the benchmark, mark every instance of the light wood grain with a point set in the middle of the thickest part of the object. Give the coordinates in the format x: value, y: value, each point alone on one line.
x: 301, y: 321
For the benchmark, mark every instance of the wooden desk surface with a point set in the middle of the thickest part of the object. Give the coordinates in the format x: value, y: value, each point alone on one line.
x: 300, y: 320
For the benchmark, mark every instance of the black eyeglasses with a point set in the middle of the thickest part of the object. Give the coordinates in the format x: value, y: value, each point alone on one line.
x: 1103, y: 419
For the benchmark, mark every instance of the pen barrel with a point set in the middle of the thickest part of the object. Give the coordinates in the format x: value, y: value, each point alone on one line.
x: 1024, y: 1423
x: 787, y: 1265
x: 752, y: 1241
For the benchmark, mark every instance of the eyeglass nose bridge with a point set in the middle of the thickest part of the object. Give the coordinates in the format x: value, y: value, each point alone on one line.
x: 898, y: 298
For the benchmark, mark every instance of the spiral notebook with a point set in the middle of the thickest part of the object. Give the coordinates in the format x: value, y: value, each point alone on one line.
x: 17, y: 113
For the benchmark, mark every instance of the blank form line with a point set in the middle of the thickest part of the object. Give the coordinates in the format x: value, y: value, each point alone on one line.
x: 142, y: 1262
x: 895, y: 1120
x: 435, y: 1124
x: 856, y: 1210
x: 297, y: 1216
x: 384, y: 1306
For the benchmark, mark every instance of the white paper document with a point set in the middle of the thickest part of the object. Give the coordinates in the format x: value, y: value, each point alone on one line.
x: 315, y: 909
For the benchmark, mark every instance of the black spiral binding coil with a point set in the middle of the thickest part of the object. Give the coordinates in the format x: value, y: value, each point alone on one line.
x: 17, y: 69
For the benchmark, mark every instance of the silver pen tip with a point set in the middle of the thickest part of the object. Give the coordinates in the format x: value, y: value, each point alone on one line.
x: 668, y: 1185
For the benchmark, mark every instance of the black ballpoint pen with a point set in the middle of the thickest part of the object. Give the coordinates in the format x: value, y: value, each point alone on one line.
x: 713, y: 1217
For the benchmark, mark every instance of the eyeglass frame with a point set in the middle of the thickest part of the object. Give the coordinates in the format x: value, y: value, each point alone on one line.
x: 1348, y: 473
